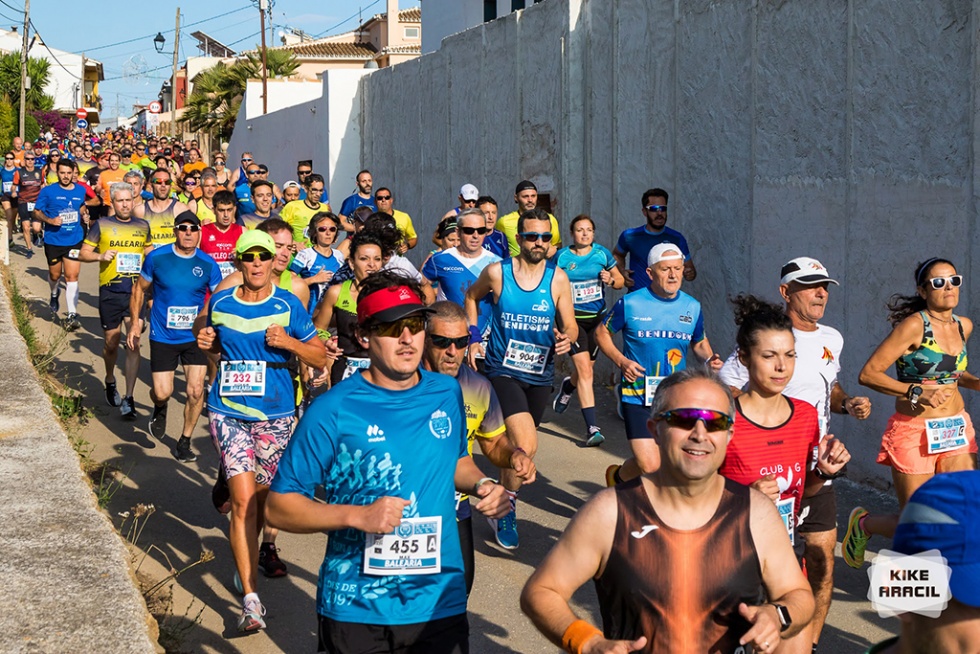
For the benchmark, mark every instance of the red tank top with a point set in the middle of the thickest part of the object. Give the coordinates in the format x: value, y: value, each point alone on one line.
x: 786, y: 451
x: 680, y: 589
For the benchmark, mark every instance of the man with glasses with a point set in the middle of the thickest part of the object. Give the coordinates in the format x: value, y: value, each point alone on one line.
x: 179, y: 278
x: 243, y: 189
x: 389, y: 477
x: 456, y: 269
x: 637, y: 242
x: 161, y: 210
x: 299, y: 212
x: 683, y: 560
x: 303, y: 170
x: 263, y: 197
x: 360, y: 198
x: 277, y: 192
x: 61, y: 207
x: 384, y: 199
x: 27, y: 186
x: 532, y: 319
x: 495, y: 241
x: 40, y: 158
x: 121, y: 240
x: 526, y: 198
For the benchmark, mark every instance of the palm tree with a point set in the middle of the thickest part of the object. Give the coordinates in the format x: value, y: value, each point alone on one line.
x: 218, y: 91
x: 39, y: 70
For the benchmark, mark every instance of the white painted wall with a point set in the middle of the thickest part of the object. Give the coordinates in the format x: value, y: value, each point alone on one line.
x: 282, y: 93
x: 60, y: 81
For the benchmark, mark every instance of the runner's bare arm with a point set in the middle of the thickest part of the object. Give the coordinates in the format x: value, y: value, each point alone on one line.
x: 561, y: 289
x: 135, y: 309
x: 299, y: 514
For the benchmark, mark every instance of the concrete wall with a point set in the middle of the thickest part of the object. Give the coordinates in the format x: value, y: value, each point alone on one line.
x: 440, y: 18
x: 844, y: 131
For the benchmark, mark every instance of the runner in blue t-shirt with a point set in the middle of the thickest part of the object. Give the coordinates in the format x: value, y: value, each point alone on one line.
x: 660, y: 324
x: 317, y: 264
x: 590, y: 268
x: 637, y: 241
x: 255, y: 327
x: 179, y: 276
x: 362, y: 197
x: 61, y: 207
x: 495, y: 241
x: 393, y: 572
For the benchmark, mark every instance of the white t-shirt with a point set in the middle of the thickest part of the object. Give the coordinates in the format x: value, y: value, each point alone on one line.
x: 817, y: 367
x: 398, y: 262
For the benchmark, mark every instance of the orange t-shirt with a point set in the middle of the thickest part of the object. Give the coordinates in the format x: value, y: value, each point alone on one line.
x: 107, y: 178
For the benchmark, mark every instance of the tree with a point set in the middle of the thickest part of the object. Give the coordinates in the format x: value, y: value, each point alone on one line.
x: 218, y: 91
x: 8, y: 124
x: 39, y: 70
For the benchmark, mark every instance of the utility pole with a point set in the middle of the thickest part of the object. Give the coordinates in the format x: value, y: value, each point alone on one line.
x: 23, y: 70
x: 173, y: 80
x: 265, y: 71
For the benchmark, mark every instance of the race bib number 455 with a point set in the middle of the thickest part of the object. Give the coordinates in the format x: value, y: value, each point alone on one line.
x: 414, y: 548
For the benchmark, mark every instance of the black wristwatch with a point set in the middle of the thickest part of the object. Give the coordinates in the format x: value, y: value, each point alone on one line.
x: 785, y: 620
x: 912, y: 395
x: 826, y: 477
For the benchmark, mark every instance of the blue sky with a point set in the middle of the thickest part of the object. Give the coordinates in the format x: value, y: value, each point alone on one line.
x: 66, y: 26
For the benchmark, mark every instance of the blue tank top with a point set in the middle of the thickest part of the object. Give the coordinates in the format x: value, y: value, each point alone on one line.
x: 522, y: 344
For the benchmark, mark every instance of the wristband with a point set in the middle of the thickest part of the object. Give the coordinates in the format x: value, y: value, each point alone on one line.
x: 577, y: 634
x: 324, y: 334
x: 827, y: 477
x: 843, y: 406
x: 477, y: 485
x: 521, y: 450
x: 475, y: 335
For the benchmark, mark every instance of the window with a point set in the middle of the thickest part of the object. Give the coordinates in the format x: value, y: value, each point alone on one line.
x: 516, y: 4
x: 411, y: 32
x: 489, y: 10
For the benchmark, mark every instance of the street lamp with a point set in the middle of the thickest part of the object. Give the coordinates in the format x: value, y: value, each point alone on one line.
x: 158, y: 42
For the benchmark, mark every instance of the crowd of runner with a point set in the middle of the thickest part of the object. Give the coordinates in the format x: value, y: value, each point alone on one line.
x: 293, y: 324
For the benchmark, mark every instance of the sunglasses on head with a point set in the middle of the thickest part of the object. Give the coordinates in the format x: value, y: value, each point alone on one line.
x: 940, y: 282
x: 249, y: 257
x: 188, y: 228
x: 414, y: 324
x: 687, y: 419
x: 326, y: 229
x: 443, y: 342
x: 469, y: 231
x: 657, y: 208
x: 534, y: 236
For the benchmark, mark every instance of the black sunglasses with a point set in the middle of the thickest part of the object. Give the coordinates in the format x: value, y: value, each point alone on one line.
x: 469, y: 231
x: 382, y: 197
x: 249, y: 257
x: 443, y: 342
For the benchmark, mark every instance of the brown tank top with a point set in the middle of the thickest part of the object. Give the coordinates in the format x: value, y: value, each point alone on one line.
x: 680, y: 589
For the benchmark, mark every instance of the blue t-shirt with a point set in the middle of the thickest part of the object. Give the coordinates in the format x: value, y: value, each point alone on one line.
x: 54, y: 201
x: 309, y: 263
x: 455, y: 274
x: 360, y: 454
x: 241, y: 329
x: 180, y: 285
x: 637, y: 243
x: 657, y: 334
x: 7, y: 178
x: 353, y: 202
x: 522, y: 343
x: 588, y: 293
x: 243, y: 193
x: 496, y: 243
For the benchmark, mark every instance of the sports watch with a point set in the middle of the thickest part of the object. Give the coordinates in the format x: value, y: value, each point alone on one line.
x: 912, y: 395
x: 785, y: 620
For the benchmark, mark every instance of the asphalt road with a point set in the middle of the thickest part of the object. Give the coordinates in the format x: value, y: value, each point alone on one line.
x: 185, y: 521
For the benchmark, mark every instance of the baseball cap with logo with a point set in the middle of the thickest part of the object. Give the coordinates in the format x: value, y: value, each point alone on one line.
x: 805, y: 270
x: 469, y: 192
x: 389, y: 304
x: 664, y: 252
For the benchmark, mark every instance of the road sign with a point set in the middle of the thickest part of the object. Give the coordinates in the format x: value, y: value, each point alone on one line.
x: 81, y: 113
x: 155, y: 107
x: 81, y: 123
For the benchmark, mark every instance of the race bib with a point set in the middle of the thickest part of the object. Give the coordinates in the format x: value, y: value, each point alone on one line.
x: 586, y: 292
x: 128, y: 263
x: 181, y: 317
x: 945, y: 434
x: 68, y: 217
x: 30, y: 206
x: 650, y: 384
x: 526, y: 357
x: 785, y: 508
x: 226, y: 268
x: 242, y: 378
x: 353, y: 365
x: 73, y: 254
x: 8, y: 187
x: 414, y: 548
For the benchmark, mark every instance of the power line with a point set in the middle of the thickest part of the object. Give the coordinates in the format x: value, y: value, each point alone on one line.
x: 12, y: 20
x: 51, y: 52
x: 151, y: 70
x: 150, y: 36
x: 359, y: 11
x: 17, y: 9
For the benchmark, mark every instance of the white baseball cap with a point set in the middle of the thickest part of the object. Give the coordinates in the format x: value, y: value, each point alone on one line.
x: 469, y: 192
x: 664, y: 252
x: 805, y: 271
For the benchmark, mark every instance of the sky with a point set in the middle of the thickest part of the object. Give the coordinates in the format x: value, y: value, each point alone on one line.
x: 235, y: 23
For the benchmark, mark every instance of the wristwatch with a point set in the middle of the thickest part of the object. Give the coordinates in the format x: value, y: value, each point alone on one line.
x: 912, y: 395
x: 785, y: 620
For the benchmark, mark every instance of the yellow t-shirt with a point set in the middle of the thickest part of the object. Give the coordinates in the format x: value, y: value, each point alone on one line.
x: 298, y: 214
x: 508, y: 225
x: 128, y: 239
x: 404, y: 224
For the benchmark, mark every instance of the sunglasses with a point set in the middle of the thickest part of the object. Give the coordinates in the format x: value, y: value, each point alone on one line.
x: 414, y: 324
x: 249, y: 257
x: 382, y: 197
x: 28, y: 158
x: 246, y: 160
x: 469, y: 201
x: 687, y: 419
x: 657, y: 208
x: 534, y: 236
x: 8, y: 158
x: 190, y: 182
x: 188, y: 228
x: 940, y: 282
x: 303, y: 172
x: 469, y: 231
x: 160, y: 180
x: 253, y: 172
x: 444, y: 342
x: 326, y: 229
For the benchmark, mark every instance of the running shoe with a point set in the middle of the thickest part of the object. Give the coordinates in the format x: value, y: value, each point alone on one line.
x: 111, y: 394
x: 251, y: 619
x: 54, y: 304
x: 38, y: 239
x: 127, y: 408
x: 182, y: 451
x: 611, y: 475
x: 30, y: 254
x: 856, y: 539
x: 505, y: 530
x: 71, y: 322
x: 563, y: 397
x: 158, y: 422
x: 595, y: 439
x: 269, y: 562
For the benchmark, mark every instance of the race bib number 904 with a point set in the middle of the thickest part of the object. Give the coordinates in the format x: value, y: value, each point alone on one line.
x: 526, y: 357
